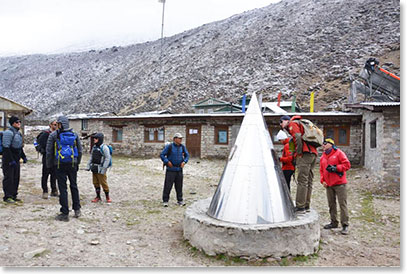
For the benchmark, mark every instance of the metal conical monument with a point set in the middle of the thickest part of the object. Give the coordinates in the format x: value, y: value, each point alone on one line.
x: 252, y: 189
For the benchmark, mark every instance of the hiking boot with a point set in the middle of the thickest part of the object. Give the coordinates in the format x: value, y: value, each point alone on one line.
x: 299, y: 210
x: 345, y: 230
x: 331, y: 225
x: 307, y: 209
x: 45, y: 195
x: 62, y: 217
x: 181, y: 203
x: 54, y: 194
x: 165, y: 204
x: 77, y: 213
x: 96, y: 200
x: 9, y: 201
x: 17, y: 200
x: 108, y: 200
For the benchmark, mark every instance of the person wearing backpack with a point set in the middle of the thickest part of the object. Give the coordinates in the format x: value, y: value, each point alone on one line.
x: 64, y: 152
x: 99, y: 162
x: 42, y: 139
x: 305, y: 157
x: 12, y: 144
x: 332, y: 168
x: 174, y: 157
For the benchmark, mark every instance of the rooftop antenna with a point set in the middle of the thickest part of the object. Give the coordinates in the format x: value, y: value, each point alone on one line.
x: 161, y: 54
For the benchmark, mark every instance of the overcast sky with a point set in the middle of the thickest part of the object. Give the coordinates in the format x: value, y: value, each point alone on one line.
x: 54, y: 26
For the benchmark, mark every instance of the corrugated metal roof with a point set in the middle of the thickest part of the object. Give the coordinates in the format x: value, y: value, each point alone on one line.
x: 381, y: 104
x: 196, y: 115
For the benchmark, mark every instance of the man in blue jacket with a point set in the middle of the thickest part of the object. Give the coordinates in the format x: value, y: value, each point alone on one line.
x: 174, y: 157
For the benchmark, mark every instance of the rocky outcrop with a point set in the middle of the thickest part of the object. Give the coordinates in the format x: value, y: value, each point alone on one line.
x: 294, y: 46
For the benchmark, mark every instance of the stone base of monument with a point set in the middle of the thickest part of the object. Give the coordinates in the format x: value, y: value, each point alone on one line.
x: 297, y: 237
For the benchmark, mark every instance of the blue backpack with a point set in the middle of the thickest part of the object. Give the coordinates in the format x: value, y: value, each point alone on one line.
x: 66, y: 149
x: 111, y: 152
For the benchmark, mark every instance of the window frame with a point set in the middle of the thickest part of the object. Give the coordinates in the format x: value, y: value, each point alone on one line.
x: 115, y: 131
x: 84, y: 124
x: 336, y: 130
x: 147, y: 133
x: 216, y: 137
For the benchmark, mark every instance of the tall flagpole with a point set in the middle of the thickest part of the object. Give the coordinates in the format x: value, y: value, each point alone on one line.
x: 161, y: 53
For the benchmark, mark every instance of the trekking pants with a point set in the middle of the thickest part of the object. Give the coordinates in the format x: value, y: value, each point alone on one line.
x: 305, y: 166
x: 48, y: 172
x: 172, y: 177
x: 100, y: 180
x: 339, y: 191
x: 11, y: 180
x: 63, y: 172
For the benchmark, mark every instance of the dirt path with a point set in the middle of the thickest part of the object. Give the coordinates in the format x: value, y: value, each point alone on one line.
x: 135, y: 230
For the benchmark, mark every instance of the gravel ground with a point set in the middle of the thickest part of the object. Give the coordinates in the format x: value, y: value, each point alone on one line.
x: 135, y: 230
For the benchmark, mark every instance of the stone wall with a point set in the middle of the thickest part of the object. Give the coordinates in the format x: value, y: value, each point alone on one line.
x: 391, y: 147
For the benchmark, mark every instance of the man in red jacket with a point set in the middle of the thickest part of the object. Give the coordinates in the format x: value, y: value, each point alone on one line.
x: 332, y: 167
x: 305, y: 158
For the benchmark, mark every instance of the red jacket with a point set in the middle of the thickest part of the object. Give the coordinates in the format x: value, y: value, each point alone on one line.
x: 287, y: 157
x: 335, y: 157
x: 297, y: 130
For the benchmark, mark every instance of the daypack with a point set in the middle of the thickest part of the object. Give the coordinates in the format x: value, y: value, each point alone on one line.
x: 312, y: 134
x: 40, y: 143
x: 66, y: 148
x: 110, y: 151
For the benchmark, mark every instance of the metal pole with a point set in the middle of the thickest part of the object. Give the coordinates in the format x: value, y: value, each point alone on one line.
x: 161, y: 54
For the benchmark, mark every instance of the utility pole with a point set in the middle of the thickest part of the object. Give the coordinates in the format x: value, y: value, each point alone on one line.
x: 161, y: 54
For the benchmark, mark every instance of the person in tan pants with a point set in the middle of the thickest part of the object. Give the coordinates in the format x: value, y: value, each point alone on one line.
x: 98, y: 164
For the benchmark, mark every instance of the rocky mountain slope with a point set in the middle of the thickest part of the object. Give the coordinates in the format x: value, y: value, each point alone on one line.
x: 294, y: 46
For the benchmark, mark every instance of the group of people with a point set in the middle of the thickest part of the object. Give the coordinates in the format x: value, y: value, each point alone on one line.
x: 61, y: 151
x: 303, y: 157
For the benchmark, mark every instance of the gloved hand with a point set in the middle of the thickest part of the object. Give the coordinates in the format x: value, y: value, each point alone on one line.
x: 24, y: 159
x: 12, y: 163
x: 331, y: 168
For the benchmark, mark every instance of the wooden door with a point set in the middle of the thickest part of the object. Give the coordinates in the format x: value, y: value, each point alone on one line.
x: 193, y: 140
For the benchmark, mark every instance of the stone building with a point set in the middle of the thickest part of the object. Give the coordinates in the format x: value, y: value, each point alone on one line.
x: 9, y: 108
x: 206, y: 135
x: 380, y: 144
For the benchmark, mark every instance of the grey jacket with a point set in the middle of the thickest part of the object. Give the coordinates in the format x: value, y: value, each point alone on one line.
x: 52, y: 139
x: 102, y: 168
x: 12, y: 145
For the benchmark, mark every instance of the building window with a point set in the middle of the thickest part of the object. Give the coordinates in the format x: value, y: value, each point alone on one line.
x: 84, y: 124
x: 221, y: 135
x: 210, y: 110
x: 117, y: 135
x: 340, y: 134
x: 373, y: 134
x: 201, y: 111
x: 154, y: 134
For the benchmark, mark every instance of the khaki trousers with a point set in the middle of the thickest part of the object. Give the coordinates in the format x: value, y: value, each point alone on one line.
x: 339, y: 191
x: 305, y: 166
x: 100, y: 180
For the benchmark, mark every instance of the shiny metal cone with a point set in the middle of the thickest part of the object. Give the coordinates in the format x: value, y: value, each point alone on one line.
x: 252, y: 189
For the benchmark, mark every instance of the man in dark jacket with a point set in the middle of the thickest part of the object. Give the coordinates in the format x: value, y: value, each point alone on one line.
x: 47, y: 172
x: 174, y: 156
x: 64, y: 152
x: 12, y: 152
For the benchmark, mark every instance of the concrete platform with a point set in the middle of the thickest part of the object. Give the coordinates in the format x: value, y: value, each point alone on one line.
x: 297, y: 237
